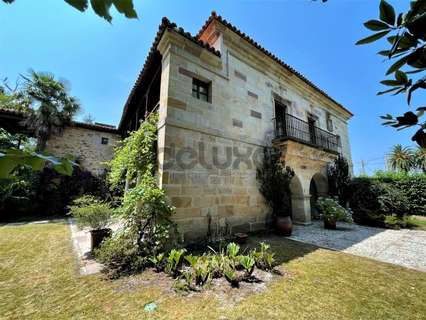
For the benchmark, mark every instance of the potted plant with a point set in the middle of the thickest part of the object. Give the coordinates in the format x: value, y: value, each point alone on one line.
x: 95, y: 214
x: 274, y: 179
x: 331, y: 212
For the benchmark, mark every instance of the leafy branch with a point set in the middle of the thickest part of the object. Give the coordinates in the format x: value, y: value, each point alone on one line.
x: 102, y: 7
x: 406, y: 35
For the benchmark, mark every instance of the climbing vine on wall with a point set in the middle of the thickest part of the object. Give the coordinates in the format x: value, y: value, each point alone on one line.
x: 145, y: 209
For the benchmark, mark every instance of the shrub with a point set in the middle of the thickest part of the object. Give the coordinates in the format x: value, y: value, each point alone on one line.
x: 120, y: 255
x: 91, y: 212
x: 274, y: 182
x: 264, y: 258
x: 338, y: 178
x: 332, y: 210
x: 373, y: 199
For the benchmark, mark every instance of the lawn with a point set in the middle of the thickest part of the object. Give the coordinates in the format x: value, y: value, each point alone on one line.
x: 417, y: 222
x: 38, y: 280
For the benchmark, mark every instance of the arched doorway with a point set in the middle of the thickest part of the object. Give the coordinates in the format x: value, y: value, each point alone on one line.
x: 318, y: 188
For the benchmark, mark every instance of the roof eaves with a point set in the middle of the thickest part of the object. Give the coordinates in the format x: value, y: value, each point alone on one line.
x: 165, y: 25
x: 215, y: 16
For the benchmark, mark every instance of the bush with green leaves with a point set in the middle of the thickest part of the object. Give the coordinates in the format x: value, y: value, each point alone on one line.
x: 145, y: 209
x: 331, y: 210
x: 373, y: 199
x: 91, y: 212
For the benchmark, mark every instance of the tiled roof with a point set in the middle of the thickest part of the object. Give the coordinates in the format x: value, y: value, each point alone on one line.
x: 215, y: 17
x: 165, y: 25
x: 96, y: 127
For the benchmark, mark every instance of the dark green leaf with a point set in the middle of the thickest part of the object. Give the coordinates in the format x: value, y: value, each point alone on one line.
x: 397, y: 65
x: 387, y: 13
x: 387, y: 91
x: 376, y: 25
x: 401, y: 76
x: 399, y: 19
x: 387, y: 116
x: 80, y: 5
x: 373, y: 37
x: 101, y: 8
x: 392, y: 83
x: 414, y: 71
x: 125, y: 7
x: 384, y: 53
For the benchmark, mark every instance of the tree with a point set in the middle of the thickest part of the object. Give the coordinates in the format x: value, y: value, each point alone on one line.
x: 420, y: 159
x: 102, y: 7
x: 13, y: 98
x: 53, y: 107
x: 401, y: 158
x: 406, y: 34
x: 88, y: 118
x: 338, y: 178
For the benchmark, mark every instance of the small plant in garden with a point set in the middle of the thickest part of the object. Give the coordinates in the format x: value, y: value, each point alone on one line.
x: 332, y: 212
x: 231, y: 276
x: 158, y: 261
x: 173, y: 261
x: 202, y: 270
x: 192, y: 260
x: 248, y: 263
x: 91, y: 212
x: 232, y: 250
x: 264, y: 258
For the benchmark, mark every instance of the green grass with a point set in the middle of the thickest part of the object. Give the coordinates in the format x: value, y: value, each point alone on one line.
x: 38, y: 280
x: 417, y: 222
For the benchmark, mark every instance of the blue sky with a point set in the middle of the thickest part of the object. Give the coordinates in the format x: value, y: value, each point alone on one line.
x: 101, y: 61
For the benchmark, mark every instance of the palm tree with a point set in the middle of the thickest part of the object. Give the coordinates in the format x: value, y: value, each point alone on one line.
x: 401, y: 158
x: 420, y: 158
x: 53, y: 108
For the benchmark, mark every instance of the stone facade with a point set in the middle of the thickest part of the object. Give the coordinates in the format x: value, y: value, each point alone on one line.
x: 208, y: 149
x: 91, y: 145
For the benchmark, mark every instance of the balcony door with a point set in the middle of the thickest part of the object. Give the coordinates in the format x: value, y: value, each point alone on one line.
x: 280, y: 111
x: 312, y: 134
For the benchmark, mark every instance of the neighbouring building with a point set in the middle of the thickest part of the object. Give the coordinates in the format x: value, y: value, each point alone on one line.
x: 90, y: 144
x: 221, y: 99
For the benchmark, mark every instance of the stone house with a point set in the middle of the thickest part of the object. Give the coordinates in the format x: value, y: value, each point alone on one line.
x: 221, y: 99
x: 90, y: 144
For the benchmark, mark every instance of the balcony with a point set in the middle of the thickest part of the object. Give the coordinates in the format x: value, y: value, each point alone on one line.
x: 291, y: 128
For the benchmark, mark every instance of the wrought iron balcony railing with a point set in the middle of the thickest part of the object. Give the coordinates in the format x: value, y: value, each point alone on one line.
x: 290, y: 127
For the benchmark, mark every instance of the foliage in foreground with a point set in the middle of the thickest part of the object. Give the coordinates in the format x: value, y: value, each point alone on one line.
x: 406, y: 35
x: 102, y: 7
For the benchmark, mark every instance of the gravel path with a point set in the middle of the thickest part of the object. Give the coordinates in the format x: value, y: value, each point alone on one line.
x: 406, y: 248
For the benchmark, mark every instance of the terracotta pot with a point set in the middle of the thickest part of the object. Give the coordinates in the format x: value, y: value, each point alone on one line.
x: 98, y: 236
x: 284, y: 226
x: 330, y: 224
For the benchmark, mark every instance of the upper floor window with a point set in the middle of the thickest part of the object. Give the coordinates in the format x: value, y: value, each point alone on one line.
x: 200, y: 89
x: 329, y: 122
x: 104, y: 140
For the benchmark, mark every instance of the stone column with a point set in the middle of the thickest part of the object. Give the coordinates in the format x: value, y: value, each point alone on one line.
x: 301, y: 206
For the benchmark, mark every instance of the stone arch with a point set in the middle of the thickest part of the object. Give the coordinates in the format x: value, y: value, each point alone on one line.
x: 297, y: 200
x: 318, y: 188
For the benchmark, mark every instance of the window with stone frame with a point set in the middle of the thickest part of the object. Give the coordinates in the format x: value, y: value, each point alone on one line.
x: 104, y: 140
x: 200, y: 90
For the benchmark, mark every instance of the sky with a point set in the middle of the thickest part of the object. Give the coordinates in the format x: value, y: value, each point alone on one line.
x: 101, y: 61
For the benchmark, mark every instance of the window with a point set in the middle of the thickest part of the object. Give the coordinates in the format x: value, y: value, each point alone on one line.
x: 329, y: 122
x: 104, y: 140
x: 200, y: 89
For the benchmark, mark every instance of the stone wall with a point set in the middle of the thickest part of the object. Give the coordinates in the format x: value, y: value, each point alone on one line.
x: 85, y: 145
x: 236, y: 121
